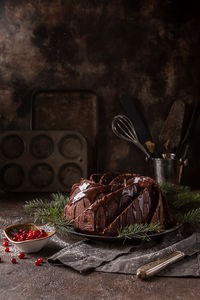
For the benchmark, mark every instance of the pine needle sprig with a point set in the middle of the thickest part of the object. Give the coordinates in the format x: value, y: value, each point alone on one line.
x: 57, y: 203
x: 179, y: 196
x: 183, y: 202
x: 50, y: 212
x: 139, y: 231
x: 31, y: 205
x: 170, y: 188
x: 192, y: 216
x: 184, y: 199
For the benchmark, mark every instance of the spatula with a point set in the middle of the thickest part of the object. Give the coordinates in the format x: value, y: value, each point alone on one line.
x: 170, y: 134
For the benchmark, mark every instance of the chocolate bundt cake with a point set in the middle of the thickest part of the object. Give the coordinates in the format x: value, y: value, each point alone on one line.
x: 105, y: 203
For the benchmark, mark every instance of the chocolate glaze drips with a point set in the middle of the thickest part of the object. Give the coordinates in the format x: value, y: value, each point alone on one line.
x: 104, y: 204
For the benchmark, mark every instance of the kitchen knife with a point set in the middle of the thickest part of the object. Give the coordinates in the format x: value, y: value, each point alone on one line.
x: 138, y: 123
x: 156, y: 266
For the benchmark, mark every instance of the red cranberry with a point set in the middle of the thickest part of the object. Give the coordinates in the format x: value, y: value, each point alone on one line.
x: 7, y: 249
x: 23, y: 235
x: 37, y: 263
x: 13, y: 260
x: 40, y: 260
x: 21, y: 255
x: 35, y: 233
x: 5, y: 244
x: 6, y: 239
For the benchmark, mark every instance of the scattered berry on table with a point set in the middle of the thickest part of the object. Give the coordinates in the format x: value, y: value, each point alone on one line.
x: 40, y: 260
x: 7, y: 249
x: 37, y: 263
x: 21, y: 256
x: 5, y: 244
x: 13, y: 260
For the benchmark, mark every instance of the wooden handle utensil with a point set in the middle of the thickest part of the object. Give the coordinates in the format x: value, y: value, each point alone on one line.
x: 155, y: 267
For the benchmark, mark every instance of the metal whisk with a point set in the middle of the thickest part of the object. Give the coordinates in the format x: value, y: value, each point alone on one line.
x: 124, y: 129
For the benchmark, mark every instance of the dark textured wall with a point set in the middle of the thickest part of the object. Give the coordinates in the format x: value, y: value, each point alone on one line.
x: 149, y: 49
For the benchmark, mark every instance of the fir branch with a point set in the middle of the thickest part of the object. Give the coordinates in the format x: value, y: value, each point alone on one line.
x: 192, y: 216
x: 184, y: 199
x: 35, y: 203
x: 171, y: 188
x: 50, y: 212
x: 139, y: 231
x: 179, y: 196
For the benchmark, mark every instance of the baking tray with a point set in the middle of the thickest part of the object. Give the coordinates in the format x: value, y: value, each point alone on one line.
x: 41, y: 161
x: 68, y: 110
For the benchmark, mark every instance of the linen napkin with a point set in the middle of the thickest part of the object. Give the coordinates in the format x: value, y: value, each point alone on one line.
x: 88, y: 255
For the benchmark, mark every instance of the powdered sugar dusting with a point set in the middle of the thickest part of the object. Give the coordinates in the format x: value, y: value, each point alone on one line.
x: 84, y: 186
x: 4, y: 223
x: 78, y: 197
x: 55, y: 238
x: 14, y: 251
x: 137, y: 179
x: 143, y: 179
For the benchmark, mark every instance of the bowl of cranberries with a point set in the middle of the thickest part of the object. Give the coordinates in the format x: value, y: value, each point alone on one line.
x: 27, y: 237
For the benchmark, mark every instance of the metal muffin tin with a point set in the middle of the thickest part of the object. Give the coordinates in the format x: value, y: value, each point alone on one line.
x: 41, y: 161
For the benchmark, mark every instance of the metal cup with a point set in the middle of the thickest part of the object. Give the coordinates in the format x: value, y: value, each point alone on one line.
x: 168, y: 169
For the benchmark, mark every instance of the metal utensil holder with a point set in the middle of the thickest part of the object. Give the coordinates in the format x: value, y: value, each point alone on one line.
x: 168, y: 169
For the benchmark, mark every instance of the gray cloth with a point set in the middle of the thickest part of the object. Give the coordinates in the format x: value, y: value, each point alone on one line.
x: 88, y: 255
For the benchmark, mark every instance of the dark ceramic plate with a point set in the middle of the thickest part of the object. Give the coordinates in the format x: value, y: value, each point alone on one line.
x: 121, y: 239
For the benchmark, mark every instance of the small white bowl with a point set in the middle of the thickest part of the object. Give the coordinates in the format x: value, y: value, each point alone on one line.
x: 27, y: 246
